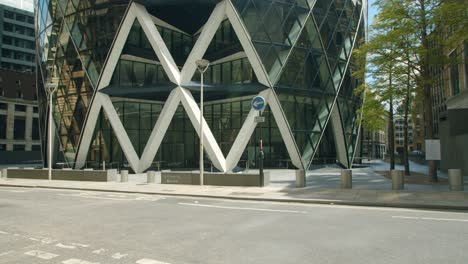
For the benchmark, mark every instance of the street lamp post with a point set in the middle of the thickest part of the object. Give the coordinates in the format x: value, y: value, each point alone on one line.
x: 51, y: 90
x: 202, y: 66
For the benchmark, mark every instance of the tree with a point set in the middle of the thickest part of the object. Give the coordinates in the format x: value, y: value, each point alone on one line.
x: 371, y: 115
x: 403, y: 37
x: 379, y: 60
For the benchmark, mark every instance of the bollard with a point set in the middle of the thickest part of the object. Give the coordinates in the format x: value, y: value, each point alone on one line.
x: 455, y: 180
x: 346, y: 179
x: 124, y: 176
x: 397, y: 180
x: 4, y: 173
x: 151, y: 176
x: 300, y: 178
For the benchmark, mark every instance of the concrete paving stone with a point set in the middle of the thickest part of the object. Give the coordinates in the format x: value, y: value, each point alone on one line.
x: 323, y: 183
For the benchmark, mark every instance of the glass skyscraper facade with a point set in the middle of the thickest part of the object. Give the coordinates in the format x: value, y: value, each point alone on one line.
x: 128, y: 91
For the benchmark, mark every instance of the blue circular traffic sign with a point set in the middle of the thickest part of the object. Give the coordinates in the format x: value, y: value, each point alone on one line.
x: 258, y: 103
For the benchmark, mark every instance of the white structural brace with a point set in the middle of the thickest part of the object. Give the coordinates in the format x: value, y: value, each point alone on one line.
x: 179, y: 95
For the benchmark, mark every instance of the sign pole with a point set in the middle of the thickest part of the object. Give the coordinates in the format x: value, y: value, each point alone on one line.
x: 261, y: 154
x: 259, y: 104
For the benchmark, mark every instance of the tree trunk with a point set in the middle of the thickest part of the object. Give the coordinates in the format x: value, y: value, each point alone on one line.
x: 407, y: 107
x: 369, y: 146
x: 425, y: 77
x: 405, y: 147
x: 391, y: 128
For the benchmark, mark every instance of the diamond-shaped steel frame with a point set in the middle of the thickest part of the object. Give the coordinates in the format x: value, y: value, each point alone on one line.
x: 223, y: 10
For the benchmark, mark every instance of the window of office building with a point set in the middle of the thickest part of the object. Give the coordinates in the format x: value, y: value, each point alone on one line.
x: 454, y: 74
x: 3, y: 126
x: 36, y: 147
x: 19, y: 147
x: 35, y: 129
x: 7, y: 40
x: 19, y: 30
x: 9, y: 14
x: 3, y: 106
x: 8, y: 27
x: 2, y: 147
x: 6, y: 53
x: 19, y: 128
x: 19, y: 94
x: 20, y: 17
x: 20, y: 108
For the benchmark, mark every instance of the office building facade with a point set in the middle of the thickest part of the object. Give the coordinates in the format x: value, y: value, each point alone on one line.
x: 128, y: 90
x: 19, y: 119
x: 17, y: 45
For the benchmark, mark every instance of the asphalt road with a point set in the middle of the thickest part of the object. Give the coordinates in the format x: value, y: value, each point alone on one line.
x: 72, y: 227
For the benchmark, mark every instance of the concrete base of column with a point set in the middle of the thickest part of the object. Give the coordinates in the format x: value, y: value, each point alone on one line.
x: 397, y: 180
x: 346, y: 179
x: 151, y: 177
x: 455, y: 180
x: 300, y: 178
x: 4, y: 173
x: 124, y: 176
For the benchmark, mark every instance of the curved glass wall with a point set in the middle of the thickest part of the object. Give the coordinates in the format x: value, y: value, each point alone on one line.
x: 304, y: 48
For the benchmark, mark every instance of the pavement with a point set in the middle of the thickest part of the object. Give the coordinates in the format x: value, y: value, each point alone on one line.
x: 323, y: 187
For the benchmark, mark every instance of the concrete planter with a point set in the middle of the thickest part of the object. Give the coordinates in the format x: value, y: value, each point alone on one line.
x: 63, y: 175
x: 217, y: 179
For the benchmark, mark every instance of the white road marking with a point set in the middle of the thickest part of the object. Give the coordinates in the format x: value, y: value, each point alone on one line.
x: 244, y: 208
x: 60, y: 245
x: 99, y: 251
x: 117, y: 195
x: 43, y: 240
x: 79, y: 245
x: 430, y: 218
x: 12, y: 191
x: 6, y: 253
x: 41, y: 254
x: 4, y: 233
x: 150, y: 261
x: 77, y: 261
x: 94, y: 197
x: 112, y: 197
x: 119, y: 255
x: 46, y: 240
x: 146, y: 198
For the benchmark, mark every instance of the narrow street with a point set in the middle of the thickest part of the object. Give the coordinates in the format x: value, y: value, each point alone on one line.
x: 72, y: 227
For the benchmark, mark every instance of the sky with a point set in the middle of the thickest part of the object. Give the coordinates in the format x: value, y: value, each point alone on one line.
x: 21, y: 4
x: 372, y: 11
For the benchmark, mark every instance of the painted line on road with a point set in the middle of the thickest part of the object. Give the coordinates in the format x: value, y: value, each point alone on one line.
x: 6, y: 253
x: 12, y: 191
x: 244, y: 208
x: 60, y: 245
x: 41, y: 254
x: 119, y: 255
x: 94, y: 197
x: 99, y: 251
x: 150, y: 261
x: 79, y: 245
x: 77, y: 261
x: 430, y: 218
x: 4, y: 233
